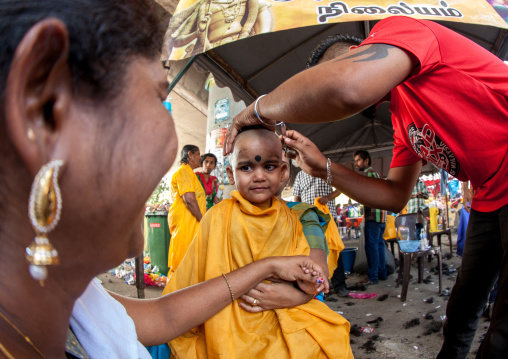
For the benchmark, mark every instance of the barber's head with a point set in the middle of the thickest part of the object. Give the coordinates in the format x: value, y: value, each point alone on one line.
x: 362, y: 160
x: 332, y: 47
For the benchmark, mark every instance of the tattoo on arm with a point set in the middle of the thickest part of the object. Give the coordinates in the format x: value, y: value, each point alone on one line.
x: 376, y: 52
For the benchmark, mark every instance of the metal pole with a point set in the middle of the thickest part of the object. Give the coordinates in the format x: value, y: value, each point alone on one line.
x: 181, y: 73
x: 140, y: 277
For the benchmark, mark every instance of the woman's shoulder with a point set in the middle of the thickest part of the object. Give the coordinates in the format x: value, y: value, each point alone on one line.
x: 184, y: 167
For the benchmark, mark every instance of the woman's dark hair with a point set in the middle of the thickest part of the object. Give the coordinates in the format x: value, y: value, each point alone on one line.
x: 344, y: 41
x: 184, y: 156
x: 103, y: 36
x: 203, y: 157
x: 364, y: 155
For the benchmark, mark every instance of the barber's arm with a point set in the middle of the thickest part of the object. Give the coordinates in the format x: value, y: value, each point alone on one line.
x: 391, y: 194
x: 334, y: 90
x: 192, y: 204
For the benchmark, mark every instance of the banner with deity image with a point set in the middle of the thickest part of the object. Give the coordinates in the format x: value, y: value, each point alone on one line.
x: 201, y: 25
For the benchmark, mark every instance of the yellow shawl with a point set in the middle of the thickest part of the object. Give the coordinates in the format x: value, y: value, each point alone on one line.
x: 332, y: 236
x: 234, y: 234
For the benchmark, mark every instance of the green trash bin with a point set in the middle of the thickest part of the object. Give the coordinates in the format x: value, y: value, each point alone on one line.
x: 158, y: 238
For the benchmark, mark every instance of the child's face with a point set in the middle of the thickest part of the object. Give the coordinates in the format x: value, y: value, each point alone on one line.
x: 257, y: 169
x: 209, y: 165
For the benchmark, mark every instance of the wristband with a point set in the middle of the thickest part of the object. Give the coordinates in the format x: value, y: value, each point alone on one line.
x: 257, y: 114
x: 328, y: 172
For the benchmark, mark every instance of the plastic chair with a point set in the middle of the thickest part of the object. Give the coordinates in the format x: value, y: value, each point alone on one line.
x: 438, y: 233
x: 353, y: 225
x: 409, y: 221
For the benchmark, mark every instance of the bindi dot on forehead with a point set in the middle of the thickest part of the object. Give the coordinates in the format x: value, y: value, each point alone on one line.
x: 257, y: 158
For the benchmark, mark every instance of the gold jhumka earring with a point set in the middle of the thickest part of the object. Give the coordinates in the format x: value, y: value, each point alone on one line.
x: 44, y: 210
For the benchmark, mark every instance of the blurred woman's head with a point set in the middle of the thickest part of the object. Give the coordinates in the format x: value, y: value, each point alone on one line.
x: 191, y: 156
x: 81, y: 81
x: 208, y: 162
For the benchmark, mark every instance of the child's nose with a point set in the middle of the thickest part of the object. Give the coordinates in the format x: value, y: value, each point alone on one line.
x: 259, y: 175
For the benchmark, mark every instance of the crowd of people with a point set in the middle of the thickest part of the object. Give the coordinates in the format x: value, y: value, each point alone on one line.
x: 83, y: 133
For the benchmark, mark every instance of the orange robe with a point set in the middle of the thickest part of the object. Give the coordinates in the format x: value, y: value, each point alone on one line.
x: 182, y: 223
x: 231, y: 235
x: 333, y: 239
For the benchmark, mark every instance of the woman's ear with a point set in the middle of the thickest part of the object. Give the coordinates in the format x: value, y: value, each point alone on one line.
x: 229, y: 173
x: 38, y: 92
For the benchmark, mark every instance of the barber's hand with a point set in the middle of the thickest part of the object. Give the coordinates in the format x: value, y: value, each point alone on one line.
x: 275, y: 295
x: 323, y: 200
x: 307, y: 155
x: 245, y: 118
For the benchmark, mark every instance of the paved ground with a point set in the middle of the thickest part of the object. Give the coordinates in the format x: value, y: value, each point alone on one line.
x: 400, y: 330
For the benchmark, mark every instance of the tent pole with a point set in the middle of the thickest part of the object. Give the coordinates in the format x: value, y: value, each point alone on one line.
x: 366, y: 29
x: 180, y: 74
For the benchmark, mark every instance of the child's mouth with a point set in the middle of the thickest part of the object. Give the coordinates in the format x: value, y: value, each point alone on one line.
x: 259, y: 189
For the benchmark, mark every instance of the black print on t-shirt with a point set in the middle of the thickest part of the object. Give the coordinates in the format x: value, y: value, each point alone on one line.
x: 430, y: 147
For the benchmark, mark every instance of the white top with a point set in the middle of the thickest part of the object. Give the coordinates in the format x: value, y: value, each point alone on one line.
x: 103, y: 327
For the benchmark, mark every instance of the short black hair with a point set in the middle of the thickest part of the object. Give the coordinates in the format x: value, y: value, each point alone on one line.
x: 364, y: 155
x: 104, y: 35
x: 203, y: 157
x: 343, y: 40
x: 184, y: 155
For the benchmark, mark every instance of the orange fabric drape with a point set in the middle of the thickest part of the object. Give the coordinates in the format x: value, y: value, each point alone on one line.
x: 332, y: 235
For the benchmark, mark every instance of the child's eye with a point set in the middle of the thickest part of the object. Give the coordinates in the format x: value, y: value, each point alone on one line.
x: 270, y: 167
x: 245, y: 168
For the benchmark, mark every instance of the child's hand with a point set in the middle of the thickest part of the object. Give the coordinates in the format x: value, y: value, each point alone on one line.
x: 299, y: 268
x: 313, y: 287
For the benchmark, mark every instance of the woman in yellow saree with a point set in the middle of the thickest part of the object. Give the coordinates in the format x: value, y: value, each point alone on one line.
x: 189, y: 205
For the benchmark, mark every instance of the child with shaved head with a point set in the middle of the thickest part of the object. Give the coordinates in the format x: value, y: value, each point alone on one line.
x: 252, y: 225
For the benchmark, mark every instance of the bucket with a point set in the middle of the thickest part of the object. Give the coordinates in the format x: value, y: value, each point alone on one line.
x: 158, y: 238
x: 348, y: 258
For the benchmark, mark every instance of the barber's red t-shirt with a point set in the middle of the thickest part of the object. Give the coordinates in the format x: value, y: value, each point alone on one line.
x: 453, y: 109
